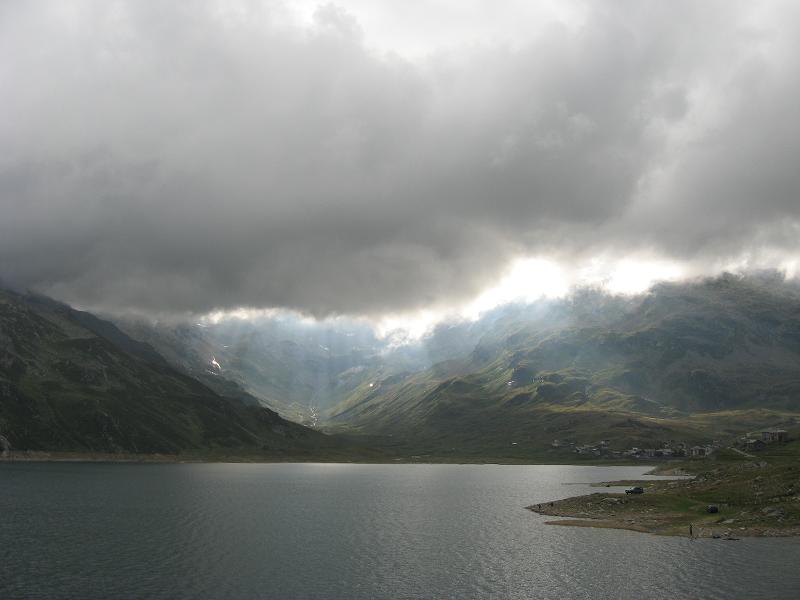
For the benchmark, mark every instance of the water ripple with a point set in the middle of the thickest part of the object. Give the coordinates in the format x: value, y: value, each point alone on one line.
x: 350, y: 532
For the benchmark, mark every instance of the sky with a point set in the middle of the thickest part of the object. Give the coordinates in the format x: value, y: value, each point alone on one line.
x: 392, y: 160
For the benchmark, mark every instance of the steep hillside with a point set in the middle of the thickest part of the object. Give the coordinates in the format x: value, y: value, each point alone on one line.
x: 296, y: 368
x: 724, y: 344
x: 635, y: 370
x: 71, y: 381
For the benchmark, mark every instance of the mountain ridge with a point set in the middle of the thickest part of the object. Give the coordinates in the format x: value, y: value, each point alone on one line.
x: 663, y: 362
x: 70, y: 381
x: 688, y: 361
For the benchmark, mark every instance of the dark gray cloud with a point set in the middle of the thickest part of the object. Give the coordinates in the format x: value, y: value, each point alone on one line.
x: 206, y: 156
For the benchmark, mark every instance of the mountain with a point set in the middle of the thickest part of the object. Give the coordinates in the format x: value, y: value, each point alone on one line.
x: 686, y: 361
x: 70, y: 381
x: 297, y: 368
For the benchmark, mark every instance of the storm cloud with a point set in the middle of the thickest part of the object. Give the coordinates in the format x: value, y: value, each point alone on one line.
x: 198, y: 156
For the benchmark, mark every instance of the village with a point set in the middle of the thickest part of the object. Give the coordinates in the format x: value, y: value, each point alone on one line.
x: 751, y: 442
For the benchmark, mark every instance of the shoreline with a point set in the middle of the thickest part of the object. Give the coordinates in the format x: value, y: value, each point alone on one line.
x: 728, y: 502
x: 721, y: 533
x: 91, y: 457
x: 667, y: 507
x: 667, y: 524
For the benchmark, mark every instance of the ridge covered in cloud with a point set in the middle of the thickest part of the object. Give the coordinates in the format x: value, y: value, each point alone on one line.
x: 204, y: 156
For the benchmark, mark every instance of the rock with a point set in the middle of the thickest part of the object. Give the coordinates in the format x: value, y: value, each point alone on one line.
x: 774, y: 512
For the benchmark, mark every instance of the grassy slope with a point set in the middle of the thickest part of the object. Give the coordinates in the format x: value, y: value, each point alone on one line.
x: 758, y: 496
x: 70, y: 382
x: 688, y: 363
x: 288, y: 370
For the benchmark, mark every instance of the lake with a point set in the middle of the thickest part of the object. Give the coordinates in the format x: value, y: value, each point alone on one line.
x: 78, y: 530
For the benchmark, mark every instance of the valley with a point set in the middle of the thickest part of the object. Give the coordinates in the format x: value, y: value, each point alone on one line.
x: 586, y: 378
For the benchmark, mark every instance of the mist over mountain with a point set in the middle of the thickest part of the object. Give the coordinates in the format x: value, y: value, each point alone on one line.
x: 690, y: 359
x: 684, y: 361
x: 496, y: 253
x: 298, y: 367
x: 275, y: 154
x: 321, y: 169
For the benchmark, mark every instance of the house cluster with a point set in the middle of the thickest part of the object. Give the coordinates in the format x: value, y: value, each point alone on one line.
x: 701, y: 451
x: 652, y: 452
x: 672, y: 450
x: 597, y: 449
x: 668, y: 449
x: 759, y: 440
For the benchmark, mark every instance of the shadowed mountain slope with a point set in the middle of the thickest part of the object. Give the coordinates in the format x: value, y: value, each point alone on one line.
x: 71, y: 381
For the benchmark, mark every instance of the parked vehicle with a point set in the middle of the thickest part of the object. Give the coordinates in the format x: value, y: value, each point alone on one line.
x: 635, y: 490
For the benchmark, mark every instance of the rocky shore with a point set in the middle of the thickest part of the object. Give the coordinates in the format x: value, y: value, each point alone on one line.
x: 748, y: 499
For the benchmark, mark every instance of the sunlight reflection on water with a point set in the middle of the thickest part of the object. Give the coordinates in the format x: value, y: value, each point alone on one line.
x: 347, y: 531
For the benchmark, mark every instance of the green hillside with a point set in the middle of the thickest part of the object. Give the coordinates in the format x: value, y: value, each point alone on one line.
x: 296, y: 368
x: 685, y: 362
x: 72, y: 382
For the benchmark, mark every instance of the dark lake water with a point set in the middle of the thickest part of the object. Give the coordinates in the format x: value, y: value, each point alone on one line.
x: 347, y: 531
